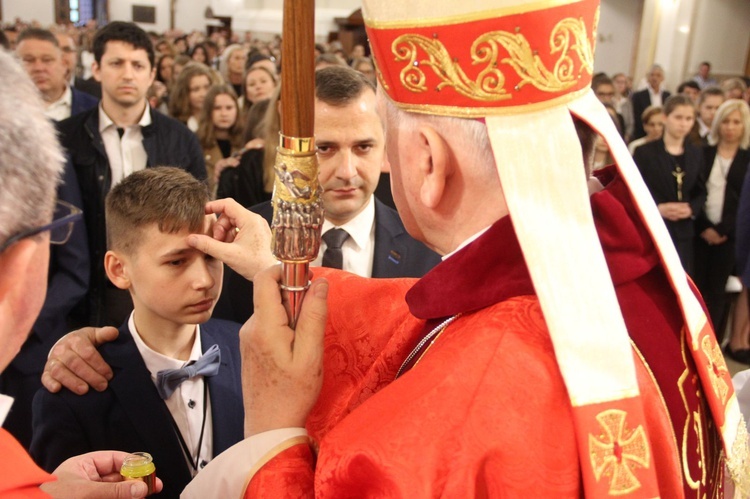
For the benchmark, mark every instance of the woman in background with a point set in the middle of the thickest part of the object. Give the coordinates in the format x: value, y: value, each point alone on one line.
x: 188, y: 93
x: 232, y: 67
x: 252, y: 181
x: 220, y: 132
x: 199, y: 54
x: 653, y: 124
x: 259, y: 85
x: 672, y: 169
x: 726, y: 161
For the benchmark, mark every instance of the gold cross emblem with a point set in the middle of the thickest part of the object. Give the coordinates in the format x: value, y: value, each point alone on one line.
x: 618, y: 452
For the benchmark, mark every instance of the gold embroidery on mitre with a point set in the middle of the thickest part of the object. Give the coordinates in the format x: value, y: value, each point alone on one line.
x: 618, y: 451
x: 717, y: 368
x: 567, y: 37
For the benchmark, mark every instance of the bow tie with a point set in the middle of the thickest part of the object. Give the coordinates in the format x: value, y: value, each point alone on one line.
x: 167, y: 380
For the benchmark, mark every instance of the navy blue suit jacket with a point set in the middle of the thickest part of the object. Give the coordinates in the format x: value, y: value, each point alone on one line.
x: 81, y: 102
x: 130, y: 416
x: 396, y: 254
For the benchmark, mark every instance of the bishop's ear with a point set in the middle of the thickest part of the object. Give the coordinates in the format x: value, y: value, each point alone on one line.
x: 434, y: 167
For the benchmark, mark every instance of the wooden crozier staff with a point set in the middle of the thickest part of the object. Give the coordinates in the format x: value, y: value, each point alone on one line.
x: 297, y: 208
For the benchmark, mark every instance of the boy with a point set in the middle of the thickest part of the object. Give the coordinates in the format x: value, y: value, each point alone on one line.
x: 174, y: 288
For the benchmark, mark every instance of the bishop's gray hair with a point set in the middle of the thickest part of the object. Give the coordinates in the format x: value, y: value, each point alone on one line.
x: 31, y: 160
x: 468, y: 134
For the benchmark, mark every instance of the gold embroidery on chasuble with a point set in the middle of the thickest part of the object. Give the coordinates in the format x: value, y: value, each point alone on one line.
x: 717, y: 368
x: 569, y: 36
x: 618, y: 451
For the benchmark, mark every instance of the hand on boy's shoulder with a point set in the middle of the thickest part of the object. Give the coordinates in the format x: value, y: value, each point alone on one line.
x: 75, y: 363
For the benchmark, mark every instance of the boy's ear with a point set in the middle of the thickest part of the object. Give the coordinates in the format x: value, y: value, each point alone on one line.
x: 115, y: 266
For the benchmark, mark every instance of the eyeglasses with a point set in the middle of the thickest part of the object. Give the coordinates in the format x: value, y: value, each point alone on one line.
x: 59, y: 228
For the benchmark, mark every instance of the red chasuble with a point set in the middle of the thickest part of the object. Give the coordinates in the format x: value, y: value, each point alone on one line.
x: 19, y: 476
x: 484, y: 411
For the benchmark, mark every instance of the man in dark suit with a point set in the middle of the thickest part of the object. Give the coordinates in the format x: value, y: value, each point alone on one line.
x: 653, y: 95
x: 351, y: 151
x: 70, y: 57
x: 44, y: 61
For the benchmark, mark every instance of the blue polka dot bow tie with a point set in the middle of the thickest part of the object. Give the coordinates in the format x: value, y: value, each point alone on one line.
x: 167, y: 380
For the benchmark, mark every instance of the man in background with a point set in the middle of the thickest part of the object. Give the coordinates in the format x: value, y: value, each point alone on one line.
x: 652, y: 95
x: 43, y: 59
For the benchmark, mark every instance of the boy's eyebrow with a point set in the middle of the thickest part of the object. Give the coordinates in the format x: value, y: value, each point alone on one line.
x: 176, y: 252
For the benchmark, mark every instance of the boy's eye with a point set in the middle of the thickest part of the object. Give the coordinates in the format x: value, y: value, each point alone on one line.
x: 176, y: 263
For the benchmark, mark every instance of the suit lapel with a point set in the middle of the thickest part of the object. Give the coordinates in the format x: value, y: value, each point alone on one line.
x: 137, y: 395
x: 388, y: 254
x: 227, y: 411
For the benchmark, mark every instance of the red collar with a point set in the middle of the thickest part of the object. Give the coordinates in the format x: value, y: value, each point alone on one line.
x: 491, y: 269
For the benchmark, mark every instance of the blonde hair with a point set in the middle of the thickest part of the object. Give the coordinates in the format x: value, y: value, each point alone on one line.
x: 727, y: 108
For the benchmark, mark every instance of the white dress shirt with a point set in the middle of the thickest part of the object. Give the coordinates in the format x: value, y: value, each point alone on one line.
x: 703, y: 129
x: 62, y: 107
x: 716, y: 186
x: 127, y: 154
x: 6, y: 401
x: 186, y: 403
x: 655, y: 96
x: 359, y: 248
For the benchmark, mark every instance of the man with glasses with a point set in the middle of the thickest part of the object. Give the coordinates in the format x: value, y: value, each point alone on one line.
x: 31, y: 163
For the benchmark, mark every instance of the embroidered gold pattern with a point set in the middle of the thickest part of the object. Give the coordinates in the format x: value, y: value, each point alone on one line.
x: 568, y: 37
x: 739, y: 463
x: 685, y: 383
x: 618, y: 451
x: 717, y: 368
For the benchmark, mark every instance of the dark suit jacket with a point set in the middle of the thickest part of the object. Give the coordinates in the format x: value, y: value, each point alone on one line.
x: 396, y: 254
x: 656, y: 167
x: 130, y: 416
x: 641, y: 100
x: 81, y: 102
x: 735, y: 179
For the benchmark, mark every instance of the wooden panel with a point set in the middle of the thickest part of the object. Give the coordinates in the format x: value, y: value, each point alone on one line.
x: 144, y: 14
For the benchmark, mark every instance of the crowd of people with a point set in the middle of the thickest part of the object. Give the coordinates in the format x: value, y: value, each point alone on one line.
x: 155, y: 129
x: 691, y: 148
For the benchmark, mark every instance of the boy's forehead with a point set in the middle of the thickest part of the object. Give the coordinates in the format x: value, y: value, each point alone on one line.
x: 160, y: 242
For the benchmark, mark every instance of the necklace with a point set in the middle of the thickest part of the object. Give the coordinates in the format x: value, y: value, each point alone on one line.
x: 432, y: 335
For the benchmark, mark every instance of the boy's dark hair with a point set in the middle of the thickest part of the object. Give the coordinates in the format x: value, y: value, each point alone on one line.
x: 120, y: 31
x: 37, y: 34
x: 339, y: 85
x: 169, y: 197
x: 689, y: 83
x: 709, y: 91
